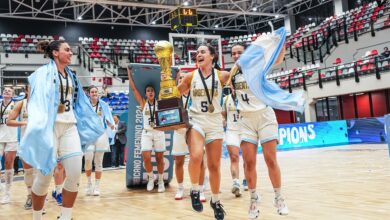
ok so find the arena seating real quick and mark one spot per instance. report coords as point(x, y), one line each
point(117, 100)
point(23, 43)
point(358, 19)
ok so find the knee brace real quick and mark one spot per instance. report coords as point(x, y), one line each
point(99, 161)
point(72, 167)
point(28, 177)
point(41, 184)
point(88, 160)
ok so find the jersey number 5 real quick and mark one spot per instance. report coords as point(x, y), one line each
point(204, 106)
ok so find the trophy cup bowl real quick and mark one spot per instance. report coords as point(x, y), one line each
point(171, 114)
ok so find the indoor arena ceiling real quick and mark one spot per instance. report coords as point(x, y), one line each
point(237, 15)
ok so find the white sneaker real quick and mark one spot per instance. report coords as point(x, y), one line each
point(179, 194)
point(202, 198)
point(254, 211)
point(236, 189)
point(96, 191)
point(1, 187)
point(89, 189)
point(6, 198)
point(161, 187)
point(150, 185)
point(281, 205)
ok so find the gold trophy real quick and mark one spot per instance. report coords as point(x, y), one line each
point(171, 114)
point(168, 89)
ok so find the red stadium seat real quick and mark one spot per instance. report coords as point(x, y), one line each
point(337, 61)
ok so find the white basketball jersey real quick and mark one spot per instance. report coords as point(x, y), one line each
point(68, 115)
point(98, 109)
point(7, 134)
point(247, 102)
point(147, 115)
point(199, 101)
point(186, 100)
point(232, 115)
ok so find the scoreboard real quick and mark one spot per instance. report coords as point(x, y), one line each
point(183, 17)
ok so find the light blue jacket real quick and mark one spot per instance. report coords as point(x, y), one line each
point(37, 144)
point(255, 68)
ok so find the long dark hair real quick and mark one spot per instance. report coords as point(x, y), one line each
point(48, 47)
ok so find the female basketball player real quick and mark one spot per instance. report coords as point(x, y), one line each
point(100, 146)
point(151, 139)
point(205, 85)
point(20, 111)
point(180, 150)
point(258, 124)
point(63, 120)
point(232, 139)
point(8, 142)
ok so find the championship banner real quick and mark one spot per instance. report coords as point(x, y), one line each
point(315, 134)
point(144, 74)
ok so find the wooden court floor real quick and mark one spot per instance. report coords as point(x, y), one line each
point(345, 182)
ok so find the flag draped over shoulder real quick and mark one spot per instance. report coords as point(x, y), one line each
point(37, 144)
point(256, 62)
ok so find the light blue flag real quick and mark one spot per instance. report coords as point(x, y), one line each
point(107, 116)
point(106, 113)
point(37, 144)
point(257, 61)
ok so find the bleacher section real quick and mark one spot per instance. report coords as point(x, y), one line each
point(118, 101)
point(20, 43)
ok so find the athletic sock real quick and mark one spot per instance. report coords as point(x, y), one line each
point(180, 185)
point(160, 177)
point(150, 175)
point(214, 198)
point(253, 193)
point(277, 192)
point(66, 213)
point(8, 180)
point(89, 180)
point(37, 215)
point(195, 187)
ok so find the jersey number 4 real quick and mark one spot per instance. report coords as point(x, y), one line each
point(245, 98)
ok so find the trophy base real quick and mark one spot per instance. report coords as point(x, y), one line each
point(171, 115)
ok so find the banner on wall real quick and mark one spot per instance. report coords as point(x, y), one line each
point(366, 130)
point(331, 133)
point(135, 172)
point(314, 134)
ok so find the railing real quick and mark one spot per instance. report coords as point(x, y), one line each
point(317, 76)
point(316, 48)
